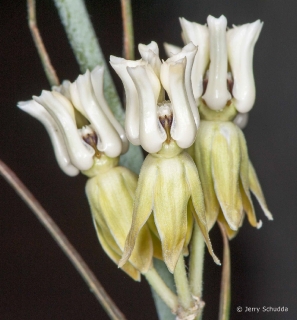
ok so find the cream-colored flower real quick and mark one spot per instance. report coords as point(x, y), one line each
point(79, 122)
point(169, 184)
point(218, 47)
point(144, 82)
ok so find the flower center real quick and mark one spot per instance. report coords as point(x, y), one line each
point(90, 137)
point(165, 117)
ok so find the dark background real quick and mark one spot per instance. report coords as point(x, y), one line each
point(36, 280)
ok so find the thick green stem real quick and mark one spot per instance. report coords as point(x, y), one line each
point(162, 290)
point(225, 296)
point(182, 285)
point(197, 262)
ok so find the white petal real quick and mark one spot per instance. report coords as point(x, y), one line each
point(241, 120)
point(151, 133)
point(109, 141)
point(39, 112)
point(132, 101)
point(183, 129)
point(97, 82)
point(150, 54)
point(199, 35)
point(189, 51)
point(75, 99)
point(217, 94)
point(171, 49)
point(64, 89)
point(241, 41)
point(81, 156)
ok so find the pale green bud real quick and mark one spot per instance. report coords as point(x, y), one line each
point(111, 193)
point(167, 181)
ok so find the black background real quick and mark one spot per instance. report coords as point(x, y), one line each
point(36, 280)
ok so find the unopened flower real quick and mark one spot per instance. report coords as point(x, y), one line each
point(169, 181)
point(79, 122)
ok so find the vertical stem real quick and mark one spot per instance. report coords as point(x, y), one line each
point(225, 296)
point(182, 285)
point(161, 289)
point(163, 311)
point(128, 29)
point(44, 57)
point(78, 262)
point(197, 262)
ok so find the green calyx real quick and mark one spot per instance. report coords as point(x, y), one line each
point(228, 113)
point(101, 165)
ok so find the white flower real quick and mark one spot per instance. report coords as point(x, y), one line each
point(236, 47)
point(79, 122)
point(144, 82)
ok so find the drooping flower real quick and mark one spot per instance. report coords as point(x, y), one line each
point(220, 151)
point(168, 179)
point(87, 138)
point(79, 122)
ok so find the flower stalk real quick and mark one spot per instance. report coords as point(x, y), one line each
point(225, 295)
point(93, 283)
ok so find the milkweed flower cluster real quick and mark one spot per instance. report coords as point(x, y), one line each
point(197, 171)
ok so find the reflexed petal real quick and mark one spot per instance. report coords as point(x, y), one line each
point(196, 203)
point(81, 154)
point(132, 102)
point(109, 141)
point(97, 83)
point(241, 41)
point(203, 146)
point(256, 189)
point(171, 49)
point(39, 112)
point(230, 233)
point(171, 194)
point(217, 94)
point(113, 255)
point(199, 35)
point(183, 129)
point(109, 194)
point(225, 163)
point(143, 205)
point(244, 182)
point(151, 134)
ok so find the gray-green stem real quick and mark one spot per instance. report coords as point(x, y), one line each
point(162, 289)
point(225, 295)
point(182, 285)
point(196, 267)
